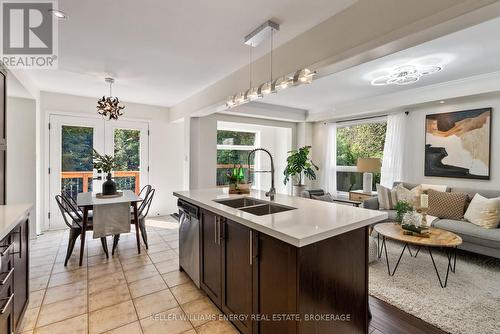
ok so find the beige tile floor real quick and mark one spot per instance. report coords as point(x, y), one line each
point(116, 295)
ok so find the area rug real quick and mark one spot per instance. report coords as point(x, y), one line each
point(469, 304)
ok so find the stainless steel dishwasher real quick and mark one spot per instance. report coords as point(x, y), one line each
point(189, 240)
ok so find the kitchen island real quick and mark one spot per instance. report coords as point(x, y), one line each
point(293, 265)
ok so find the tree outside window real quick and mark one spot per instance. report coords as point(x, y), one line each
point(365, 140)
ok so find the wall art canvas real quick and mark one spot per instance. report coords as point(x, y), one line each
point(457, 144)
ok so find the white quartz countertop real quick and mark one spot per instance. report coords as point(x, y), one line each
point(10, 216)
point(312, 221)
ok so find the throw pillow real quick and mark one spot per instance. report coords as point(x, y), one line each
point(436, 187)
point(484, 212)
point(446, 205)
point(326, 197)
point(411, 196)
point(386, 197)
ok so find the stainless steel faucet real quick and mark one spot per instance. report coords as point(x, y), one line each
point(271, 191)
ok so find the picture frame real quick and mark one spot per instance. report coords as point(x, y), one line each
point(458, 144)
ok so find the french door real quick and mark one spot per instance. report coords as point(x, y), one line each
point(72, 141)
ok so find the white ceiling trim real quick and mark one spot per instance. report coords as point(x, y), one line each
point(475, 85)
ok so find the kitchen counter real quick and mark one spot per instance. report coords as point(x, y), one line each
point(310, 222)
point(311, 260)
point(10, 216)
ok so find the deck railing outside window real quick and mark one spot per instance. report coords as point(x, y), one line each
point(76, 182)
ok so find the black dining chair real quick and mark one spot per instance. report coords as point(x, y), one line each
point(142, 212)
point(73, 219)
point(73, 205)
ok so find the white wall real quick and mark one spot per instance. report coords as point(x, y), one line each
point(415, 143)
point(319, 135)
point(21, 163)
point(166, 145)
point(203, 148)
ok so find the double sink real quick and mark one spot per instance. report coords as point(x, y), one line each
point(254, 206)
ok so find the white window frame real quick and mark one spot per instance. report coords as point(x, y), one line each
point(381, 119)
point(256, 177)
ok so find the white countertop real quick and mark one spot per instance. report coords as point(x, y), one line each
point(312, 221)
point(10, 216)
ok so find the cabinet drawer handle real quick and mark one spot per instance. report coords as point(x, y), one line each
point(6, 250)
point(215, 229)
point(6, 278)
point(218, 231)
point(7, 304)
point(251, 248)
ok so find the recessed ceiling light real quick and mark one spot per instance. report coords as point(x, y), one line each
point(59, 14)
point(441, 101)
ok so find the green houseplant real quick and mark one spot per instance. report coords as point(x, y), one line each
point(107, 164)
point(299, 166)
point(402, 207)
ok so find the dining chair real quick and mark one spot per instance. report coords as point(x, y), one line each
point(73, 219)
point(142, 213)
point(73, 205)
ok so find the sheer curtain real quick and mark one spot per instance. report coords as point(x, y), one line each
point(392, 162)
point(329, 170)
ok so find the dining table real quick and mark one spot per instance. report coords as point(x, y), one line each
point(88, 200)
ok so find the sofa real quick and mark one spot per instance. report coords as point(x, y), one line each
point(474, 238)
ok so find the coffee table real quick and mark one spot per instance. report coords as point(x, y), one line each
point(438, 239)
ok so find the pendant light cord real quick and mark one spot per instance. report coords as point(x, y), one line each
point(272, 47)
point(251, 47)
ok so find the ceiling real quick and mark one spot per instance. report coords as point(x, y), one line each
point(162, 52)
point(469, 52)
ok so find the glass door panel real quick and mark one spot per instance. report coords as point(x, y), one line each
point(72, 140)
point(76, 159)
point(128, 152)
point(128, 142)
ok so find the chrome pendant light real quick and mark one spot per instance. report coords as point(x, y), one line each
point(109, 107)
point(274, 85)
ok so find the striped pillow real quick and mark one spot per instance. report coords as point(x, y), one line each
point(386, 197)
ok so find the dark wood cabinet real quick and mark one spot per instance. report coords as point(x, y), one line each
point(3, 142)
point(276, 284)
point(211, 256)
point(14, 288)
point(6, 308)
point(21, 287)
point(274, 287)
point(237, 278)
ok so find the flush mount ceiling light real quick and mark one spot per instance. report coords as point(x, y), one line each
point(109, 107)
point(302, 76)
point(405, 75)
point(59, 14)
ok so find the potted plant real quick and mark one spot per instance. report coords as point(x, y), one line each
point(299, 166)
point(106, 163)
point(401, 208)
point(236, 179)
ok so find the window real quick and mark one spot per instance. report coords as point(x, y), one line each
point(232, 149)
point(359, 140)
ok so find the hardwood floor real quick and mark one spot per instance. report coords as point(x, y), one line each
point(388, 319)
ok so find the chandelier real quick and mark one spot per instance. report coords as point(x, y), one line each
point(109, 107)
point(405, 75)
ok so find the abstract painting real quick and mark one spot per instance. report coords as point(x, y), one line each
point(457, 144)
